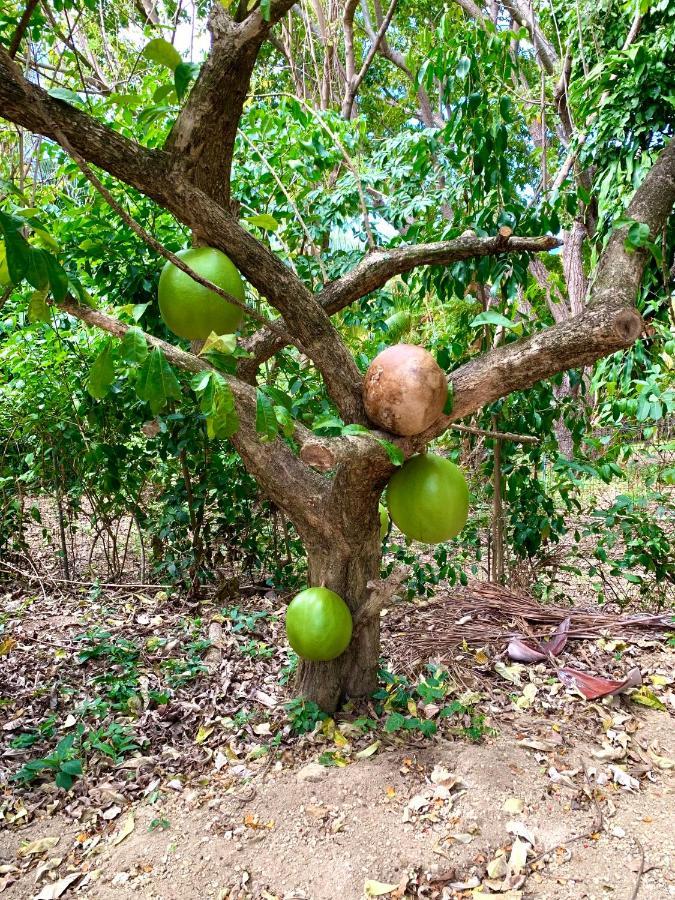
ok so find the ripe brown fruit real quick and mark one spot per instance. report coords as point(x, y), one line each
point(405, 389)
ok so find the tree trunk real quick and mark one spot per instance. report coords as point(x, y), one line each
point(346, 566)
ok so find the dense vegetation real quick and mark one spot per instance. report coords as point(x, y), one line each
point(464, 121)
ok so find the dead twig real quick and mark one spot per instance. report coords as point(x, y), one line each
point(641, 869)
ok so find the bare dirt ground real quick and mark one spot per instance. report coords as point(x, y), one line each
point(464, 778)
point(325, 833)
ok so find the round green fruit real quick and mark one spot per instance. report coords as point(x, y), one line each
point(318, 624)
point(192, 311)
point(428, 499)
point(384, 521)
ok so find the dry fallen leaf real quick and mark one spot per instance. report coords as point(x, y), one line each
point(521, 830)
point(497, 867)
point(125, 830)
point(57, 888)
point(378, 888)
point(39, 846)
point(513, 805)
point(518, 858)
point(592, 687)
point(368, 751)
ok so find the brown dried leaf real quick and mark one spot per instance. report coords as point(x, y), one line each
point(592, 687)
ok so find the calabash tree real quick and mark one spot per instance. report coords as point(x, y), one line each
point(329, 487)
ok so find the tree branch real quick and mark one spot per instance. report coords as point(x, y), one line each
point(354, 79)
point(30, 106)
point(610, 322)
point(201, 142)
point(21, 28)
point(546, 54)
point(378, 267)
point(21, 102)
point(285, 479)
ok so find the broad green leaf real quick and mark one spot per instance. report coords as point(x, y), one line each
point(157, 383)
point(102, 373)
point(5, 280)
point(38, 311)
point(182, 76)
point(218, 407)
point(285, 420)
point(264, 221)
point(36, 274)
point(17, 249)
point(162, 52)
point(281, 398)
point(199, 381)
point(57, 276)
point(463, 67)
point(134, 347)
point(45, 239)
point(265, 420)
point(61, 93)
point(356, 429)
point(220, 343)
point(265, 9)
point(64, 780)
point(492, 317)
point(394, 453)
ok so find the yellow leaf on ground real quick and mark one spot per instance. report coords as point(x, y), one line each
point(647, 698)
point(513, 805)
point(378, 888)
point(203, 732)
point(39, 846)
point(340, 740)
point(368, 751)
point(125, 830)
point(6, 646)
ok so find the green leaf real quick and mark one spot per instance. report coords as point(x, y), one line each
point(285, 420)
point(64, 780)
point(134, 347)
point(449, 400)
point(157, 383)
point(394, 453)
point(266, 9)
point(492, 317)
point(17, 249)
point(266, 423)
point(61, 93)
point(38, 311)
point(36, 274)
point(218, 407)
point(355, 429)
point(264, 221)
point(394, 722)
point(200, 381)
point(162, 52)
point(463, 67)
point(57, 277)
point(182, 76)
point(220, 343)
point(638, 236)
point(72, 767)
point(102, 373)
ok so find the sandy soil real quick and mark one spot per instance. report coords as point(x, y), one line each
point(281, 836)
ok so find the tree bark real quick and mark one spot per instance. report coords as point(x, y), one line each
point(346, 564)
